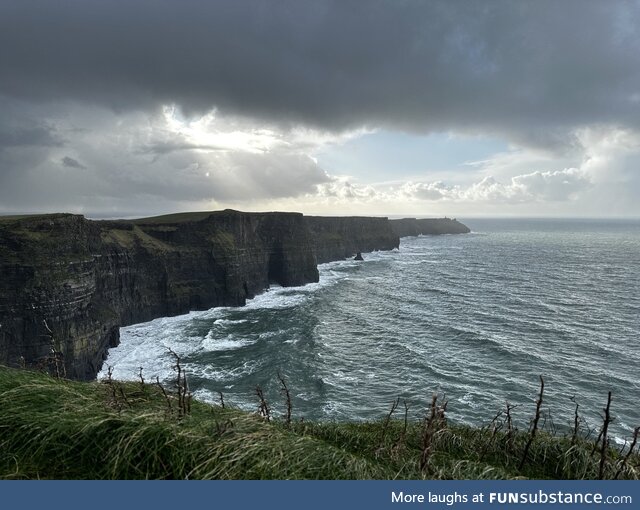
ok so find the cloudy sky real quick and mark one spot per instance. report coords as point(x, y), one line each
point(497, 108)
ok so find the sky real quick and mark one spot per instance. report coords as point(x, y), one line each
point(126, 108)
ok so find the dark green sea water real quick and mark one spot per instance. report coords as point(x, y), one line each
point(477, 317)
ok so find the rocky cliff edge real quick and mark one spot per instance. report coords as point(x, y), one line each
point(67, 284)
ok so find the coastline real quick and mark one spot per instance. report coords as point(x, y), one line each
point(70, 283)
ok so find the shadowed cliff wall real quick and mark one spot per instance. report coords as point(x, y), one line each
point(88, 278)
point(336, 238)
point(67, 284)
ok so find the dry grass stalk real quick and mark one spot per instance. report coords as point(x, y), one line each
point(182, 386)
point(605, 440)
point(576, 422)
point(636, 432)
point(552, 426)
point(112, 386)
point(285, 391)
point(124, 396)
point(440, 414)
point(56, 358)
point(495, 426)
point(166, 397)
point(428, 431)
point(387, 420)
point(534, 426)
point(400, 443)
point(403, 434)
point(385, 426)
point(510, 428)
point(263, 409)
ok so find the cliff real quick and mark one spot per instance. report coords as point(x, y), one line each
point(67, 284)
point(427, 226)
point(336, 238)
point(87, 278)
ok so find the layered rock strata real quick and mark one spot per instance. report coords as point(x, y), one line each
point(336, 238)
point(88, 278)
point(67, 284)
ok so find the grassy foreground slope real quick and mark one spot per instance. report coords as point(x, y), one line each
point(52, 428)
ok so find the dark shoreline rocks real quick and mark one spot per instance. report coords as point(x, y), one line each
point(88, 278)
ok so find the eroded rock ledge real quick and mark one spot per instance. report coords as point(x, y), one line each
point(70, 283)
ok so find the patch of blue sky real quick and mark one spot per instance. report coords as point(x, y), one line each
point(388, 155)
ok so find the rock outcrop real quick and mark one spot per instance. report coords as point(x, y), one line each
point(427, 226)
point(67, 284)
point(88, 278)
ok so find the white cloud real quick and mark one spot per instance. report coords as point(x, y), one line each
point(600, 177)
point(340, 188)
point(560, 185)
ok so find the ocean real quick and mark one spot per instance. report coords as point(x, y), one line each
point(476, 318)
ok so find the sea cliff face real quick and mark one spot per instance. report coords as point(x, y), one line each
point(336, 238)
point(427, 226)
point(67, 284)
point(88, 278)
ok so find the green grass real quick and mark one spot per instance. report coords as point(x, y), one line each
point(16, 217)
point(179, 217)
point(136, 236)
point(173, 218)
point(60, 429)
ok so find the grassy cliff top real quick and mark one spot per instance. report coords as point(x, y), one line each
point(182, 217)
point(17, 217)
point(185, 217)
point(52, 428)
point(174, 218)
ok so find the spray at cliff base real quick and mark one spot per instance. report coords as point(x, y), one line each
point(477, 317)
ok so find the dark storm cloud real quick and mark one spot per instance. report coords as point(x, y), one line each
point(24, 137)
point(72, 163)
point(161, 148)
point(533, 71)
